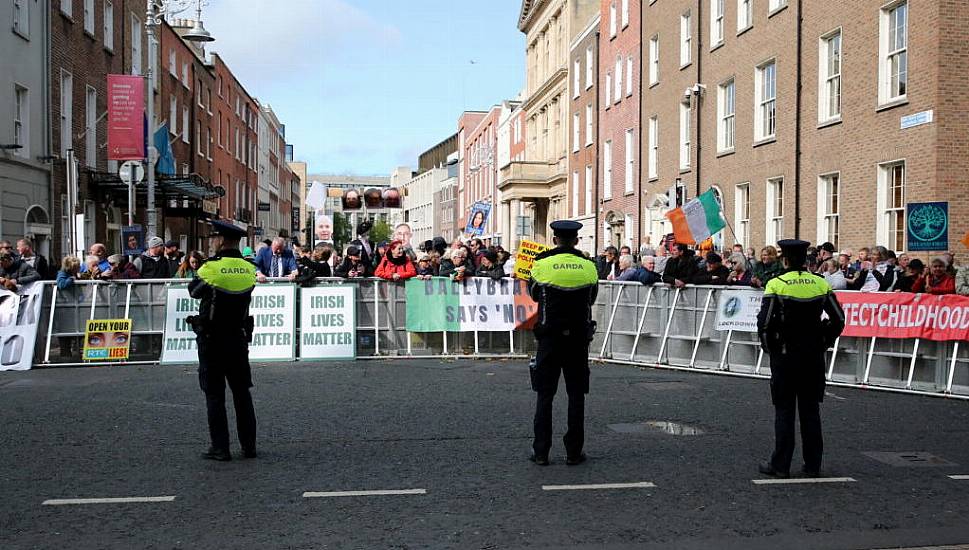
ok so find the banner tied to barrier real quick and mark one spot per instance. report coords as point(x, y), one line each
point(479, 304)
point(107, 339)
point(525, 258)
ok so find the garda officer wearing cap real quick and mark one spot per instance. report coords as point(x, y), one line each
point(223, 286)
point(564, 284)
point(793, 333)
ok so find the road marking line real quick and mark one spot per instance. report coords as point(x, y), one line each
point(801, 480)
point(636, 485)
point(324, 494)
point(960, 477)
point(121, 500)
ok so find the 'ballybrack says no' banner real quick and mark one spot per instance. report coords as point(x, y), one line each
point(904, 315)
point(476, 304)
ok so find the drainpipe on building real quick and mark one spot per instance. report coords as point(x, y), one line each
point(797, 128)
point(595, 234)
point(696, 94)
point(639, 178)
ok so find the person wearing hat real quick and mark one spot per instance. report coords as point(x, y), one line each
point(564, 284)
point(152, 264)
point(353, 265)
point(173, 256)
point(223, 286)
point(489, 266)
point(363, 242)
point(715, 272)
point(793, 333)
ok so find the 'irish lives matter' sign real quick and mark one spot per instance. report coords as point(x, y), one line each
point(273, 339)
point(477, 304)
point(327, 322)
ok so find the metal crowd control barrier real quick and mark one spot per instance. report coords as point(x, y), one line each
point(381, 323)
point(666, 327)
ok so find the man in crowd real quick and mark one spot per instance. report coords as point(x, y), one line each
point(715, 273)
point(14, 272)
point(607, 264)
point(648, 275)
point(152, 264)
point(275, 261)
point(353, 266)
point(173, 256)
point(25, 247)
point(628, 270)
point(363, 242)
point(101, 251)
point(680, 268)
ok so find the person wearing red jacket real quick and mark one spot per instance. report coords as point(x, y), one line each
point(936, 281)
point(396, 265)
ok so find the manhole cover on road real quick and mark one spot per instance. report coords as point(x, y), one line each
point(672, 428)
point(909, 459)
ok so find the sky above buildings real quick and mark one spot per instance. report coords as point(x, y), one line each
point(364, 86)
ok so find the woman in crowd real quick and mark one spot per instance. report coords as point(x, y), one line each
point(93, 271)
point(739, 274)
point(937, 281)
point(317, 261)
point(914, 270)
point(767, 268)
point(190, 265)
point(396, 265)
point(70, 268)
point(458, 267)
point(833, 275)
point(425, 269)
point(883, 270)
point(490, 267)
point(121, 269)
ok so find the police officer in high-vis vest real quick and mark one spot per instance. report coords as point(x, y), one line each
point(223, 286)
point(793, 333)
point(564, 284)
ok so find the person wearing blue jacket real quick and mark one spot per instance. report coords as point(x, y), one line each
point(276, 260)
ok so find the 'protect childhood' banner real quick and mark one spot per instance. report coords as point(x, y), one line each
point(477, 304)
point(274, 339)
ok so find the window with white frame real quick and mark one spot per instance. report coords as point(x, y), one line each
point(589, 76)
point(654, 60)
point(575, 193)
point(745, 14)
point(685, 135)
point(742, 213)
point(67, 7)
point(630, 161)
point(716, 23)
point(625, 13)
point(198, 138)
point(651, 160)
point(21, 18)
point(726, 112)
point(208, 143)
point(608, 90)
point(627, 230)
point(576, 76)
point(21, 120)
point(588, 189)
point(108, 25)
point(173, 115)
point(185, 126)
point(775, 210)
point(607, 170)
point(893, 48)
point(629, 76)
point(765, 86)
point(686, 40)
point(576, 128)
point(89, 16)
point(172, 63)
point(612, 19)
point(829, 77)
point(618, 90)
point(774, 5)
point(588, 124)
point(891, 205)
point(829, 207)
point(67, 114)
point(90, 127)
point(135, 45)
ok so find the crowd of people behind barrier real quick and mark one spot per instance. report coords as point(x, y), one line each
point(876, 269)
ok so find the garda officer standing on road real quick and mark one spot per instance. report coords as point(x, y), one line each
point(223, 327)
point(792, 331)
point(564, 284)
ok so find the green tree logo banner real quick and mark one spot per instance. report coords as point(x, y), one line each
point(927, 226)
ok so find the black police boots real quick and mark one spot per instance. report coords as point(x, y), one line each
point(222, 455)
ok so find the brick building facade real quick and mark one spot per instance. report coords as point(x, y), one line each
point(584, 132)
point(801, 121)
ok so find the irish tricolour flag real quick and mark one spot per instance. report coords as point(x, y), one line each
point(698, 219)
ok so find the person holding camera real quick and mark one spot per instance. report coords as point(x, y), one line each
point(223, 328)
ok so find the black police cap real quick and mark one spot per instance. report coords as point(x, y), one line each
point(565, 228)
point(226, 229)
point(794, 246)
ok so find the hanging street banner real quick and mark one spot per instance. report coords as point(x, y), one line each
point(126, 117)
point(273, 308)
point(737, 310)
point(927, 226)
point(525, 258)
point(476, 304)
point(905, 315)
point(107, 340)
point(328, 321)
point(19, 319)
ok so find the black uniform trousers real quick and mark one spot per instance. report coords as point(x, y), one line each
point(797, 388)
point(224, 358)
point(567, 354)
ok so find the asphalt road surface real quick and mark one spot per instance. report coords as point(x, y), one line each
point(449, 440)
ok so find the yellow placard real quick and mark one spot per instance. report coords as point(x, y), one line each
point(525, 258)
point(107, 339)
